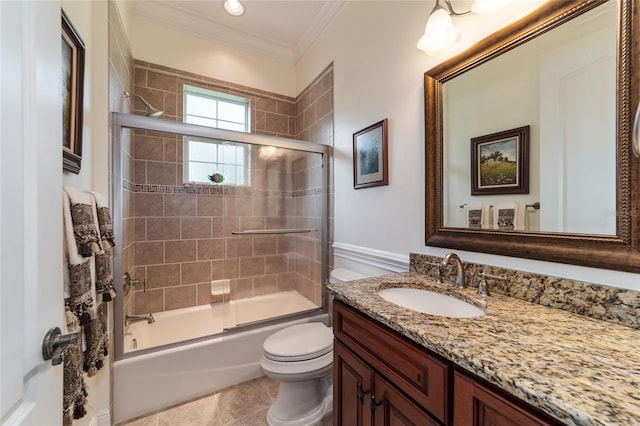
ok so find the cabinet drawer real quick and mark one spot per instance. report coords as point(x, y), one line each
point(423, 376)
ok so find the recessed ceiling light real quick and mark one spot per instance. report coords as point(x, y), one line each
point(233, 7)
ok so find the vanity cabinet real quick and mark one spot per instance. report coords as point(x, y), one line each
point(382, 378)
point(364, 397)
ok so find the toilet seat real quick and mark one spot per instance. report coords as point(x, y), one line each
point(302, 342)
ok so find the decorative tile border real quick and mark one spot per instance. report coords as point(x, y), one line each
point(616, 305)
point(215, 190)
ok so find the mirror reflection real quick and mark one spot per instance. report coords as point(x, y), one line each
point(561, 87)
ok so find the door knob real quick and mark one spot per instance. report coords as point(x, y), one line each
point(54, 343)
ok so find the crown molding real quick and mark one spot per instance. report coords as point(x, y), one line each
point(328, 12)
point(181, 19)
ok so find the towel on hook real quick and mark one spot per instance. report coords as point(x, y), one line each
point(85, 225)
point(105, 224)
point(104, 271)
point(477, 215)
point(79, 285)
point(510, 216)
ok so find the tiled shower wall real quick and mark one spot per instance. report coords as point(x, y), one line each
point(182, 235)
point(121, 79)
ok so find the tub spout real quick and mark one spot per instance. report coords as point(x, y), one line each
point(130, 319)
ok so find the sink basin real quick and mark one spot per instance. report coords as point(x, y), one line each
point(430, 302)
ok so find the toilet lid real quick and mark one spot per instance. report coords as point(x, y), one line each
point(299, 342)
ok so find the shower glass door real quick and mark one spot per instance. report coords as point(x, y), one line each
point(214, 233)
point(273, 220)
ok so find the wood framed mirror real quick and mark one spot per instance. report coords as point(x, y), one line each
point(611, 240)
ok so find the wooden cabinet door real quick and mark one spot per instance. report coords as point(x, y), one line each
point(393, 408)
point(352, 385)
point(476, 404)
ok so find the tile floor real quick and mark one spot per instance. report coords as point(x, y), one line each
point(245, 404)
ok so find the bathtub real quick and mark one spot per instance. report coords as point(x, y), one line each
point(206, 320)
point(152, 380)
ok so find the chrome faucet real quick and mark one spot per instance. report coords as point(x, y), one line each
point(460, 268)
point(130, 319)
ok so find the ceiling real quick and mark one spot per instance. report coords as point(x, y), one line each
point(282, 30)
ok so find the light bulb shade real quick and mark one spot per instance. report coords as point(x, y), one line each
point(233, 7)
point(439, 33)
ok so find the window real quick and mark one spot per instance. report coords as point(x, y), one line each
point(203, 158)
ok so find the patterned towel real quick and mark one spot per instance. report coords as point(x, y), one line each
point(105, 225)
point(88, 248)
point(75, 389)
point(80, 294)
point(85, 229)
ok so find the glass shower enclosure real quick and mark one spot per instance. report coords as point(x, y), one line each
point(218, 230)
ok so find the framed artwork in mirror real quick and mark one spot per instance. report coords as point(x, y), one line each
point(500, 163)
point(370, 151)
point(73, 53)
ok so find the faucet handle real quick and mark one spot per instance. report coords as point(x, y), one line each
point(437, 274)
point(483, 288)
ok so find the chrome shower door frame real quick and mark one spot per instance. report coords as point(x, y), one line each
point(121, 121)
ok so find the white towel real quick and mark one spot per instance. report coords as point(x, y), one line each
point(510, 216)
point(477, 216)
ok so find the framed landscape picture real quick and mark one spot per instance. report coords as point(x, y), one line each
point(500, 163)
point(370, 161)
point(72, 94)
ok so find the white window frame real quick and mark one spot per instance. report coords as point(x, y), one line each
point(216, 97)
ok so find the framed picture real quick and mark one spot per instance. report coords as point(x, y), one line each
point(370, 156)
point(500, 163)
point(72, 94)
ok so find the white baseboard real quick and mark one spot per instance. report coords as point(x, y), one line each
point(383, 260)
point(103, 418)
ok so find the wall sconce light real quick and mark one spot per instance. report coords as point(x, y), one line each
point(440, 33)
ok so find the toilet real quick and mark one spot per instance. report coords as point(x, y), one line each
point(300, 357)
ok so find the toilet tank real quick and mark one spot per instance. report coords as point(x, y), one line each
point(340, 275)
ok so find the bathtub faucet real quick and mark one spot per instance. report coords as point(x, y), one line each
point(130, 319)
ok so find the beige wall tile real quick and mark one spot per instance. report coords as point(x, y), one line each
point(265, 284)
point(148, 253)
point(196, 272)
point(195, 227)
point(242, 288)
point(209, 249)
point(210, 205)
point(250, 266)
point(147, 204)
point(180, 297)
point(139, 228)
point(179, 205)
point(161, 173)
point(180, 251)
point(167, 275)
point(162, 81)
point(163, 228)
point(149, 302)
point(148, 147)
point(265, 245)
point(276, 264)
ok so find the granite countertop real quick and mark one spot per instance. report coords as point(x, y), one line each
point(578, 370)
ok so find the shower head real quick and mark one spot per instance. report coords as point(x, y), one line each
point(149, 110)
